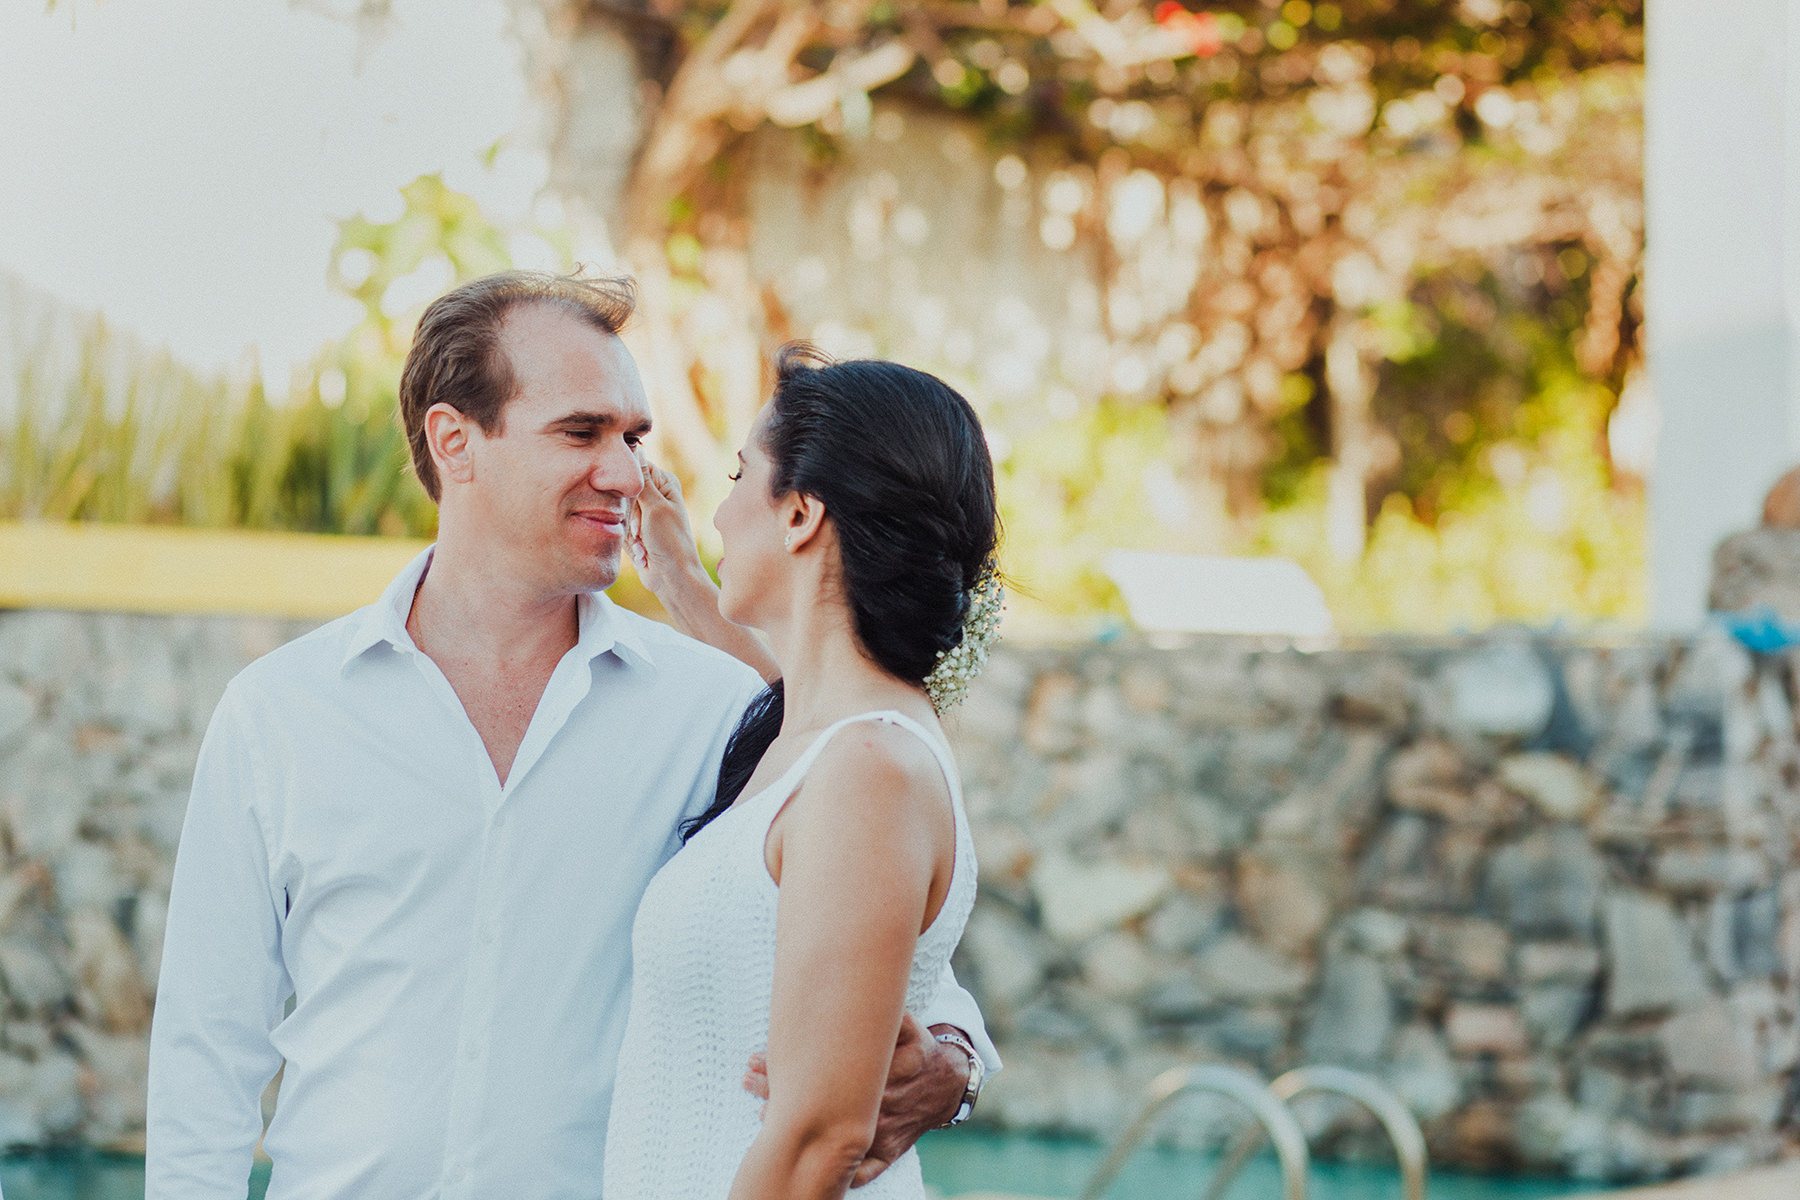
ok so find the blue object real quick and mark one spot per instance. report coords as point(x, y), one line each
point(1761, 629)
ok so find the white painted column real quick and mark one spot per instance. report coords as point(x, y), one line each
point(1722, 187)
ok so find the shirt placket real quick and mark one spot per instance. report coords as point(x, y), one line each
point(481, 996)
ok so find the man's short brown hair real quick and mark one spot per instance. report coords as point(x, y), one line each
point(456, 357)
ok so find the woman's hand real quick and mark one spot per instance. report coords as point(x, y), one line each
point(662, 540)
point(661, 544)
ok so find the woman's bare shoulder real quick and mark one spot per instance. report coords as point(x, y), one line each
point(880, 766)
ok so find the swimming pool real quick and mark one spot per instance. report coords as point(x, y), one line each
point(955, 1164)
point(966, 1162)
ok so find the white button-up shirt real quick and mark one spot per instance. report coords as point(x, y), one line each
point(457, 953)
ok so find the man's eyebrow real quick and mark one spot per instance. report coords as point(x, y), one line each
point(598, 420)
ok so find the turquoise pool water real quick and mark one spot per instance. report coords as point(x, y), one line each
point(966, 1162)
point(955, 1164)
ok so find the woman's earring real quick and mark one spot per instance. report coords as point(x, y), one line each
point(787, 542)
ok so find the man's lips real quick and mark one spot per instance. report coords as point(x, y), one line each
point(613, 522)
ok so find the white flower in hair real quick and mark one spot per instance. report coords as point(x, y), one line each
point(948, 683)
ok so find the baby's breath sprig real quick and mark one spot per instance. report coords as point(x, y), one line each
point(948, 683)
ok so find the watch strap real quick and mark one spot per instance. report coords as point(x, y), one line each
point(972, 1092)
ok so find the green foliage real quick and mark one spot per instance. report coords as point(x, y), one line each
point(1073, 489)
point(105, 431)
point(1530, 526)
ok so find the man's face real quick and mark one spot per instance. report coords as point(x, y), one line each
point(553, 484)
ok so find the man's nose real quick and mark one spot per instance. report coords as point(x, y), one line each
point(619, 469)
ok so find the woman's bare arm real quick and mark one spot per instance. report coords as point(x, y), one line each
point(663, 551)
point(857, 853)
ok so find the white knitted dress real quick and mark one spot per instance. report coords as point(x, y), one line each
point(703, 967)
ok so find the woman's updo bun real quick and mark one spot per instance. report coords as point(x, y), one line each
point(899, 460)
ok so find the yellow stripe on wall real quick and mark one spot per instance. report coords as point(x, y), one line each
point(163, 569)
point(166, 569)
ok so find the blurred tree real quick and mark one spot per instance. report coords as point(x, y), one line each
point(1321, 175)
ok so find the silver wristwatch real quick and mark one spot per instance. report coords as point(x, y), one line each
point(972, 1092)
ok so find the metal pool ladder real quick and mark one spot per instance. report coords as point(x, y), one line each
point(1269, 1104)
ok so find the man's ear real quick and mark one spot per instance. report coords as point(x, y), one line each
point(448, 434)
point(803, 515)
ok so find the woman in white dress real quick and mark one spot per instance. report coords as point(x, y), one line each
point(820, 896)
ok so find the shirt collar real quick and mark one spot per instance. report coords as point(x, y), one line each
point(598, 626)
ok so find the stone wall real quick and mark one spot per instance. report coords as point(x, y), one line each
point(1547, 889)
point(100, 720)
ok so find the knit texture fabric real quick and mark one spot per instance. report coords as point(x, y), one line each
point(703, 968)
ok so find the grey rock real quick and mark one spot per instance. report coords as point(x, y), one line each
point(1703, 1110)
point(1555, 1012)
point(114, 1067)
point(1353, 1014)
point(88, 877)
point(1283, 897)
point(1499, 689)
point(1080, 899)
point(1236, 968)
point(40, 1099)
point(42, 793)
point(1759, 568)
point(1000, 948)
point(1702, 870)
point(1474, 948)
point(1707, 1046)
point(1563, 790)
point(1714, 667)
point(1185, 922)
point(1568, 961)
point(1376, 931)
point(1547, 883)
point(1254, 1032)
point(1289, 683)
point(33, 978)
point(1650, 957)
point(1755, 932)
point(1379, 694)
point(1485, 1029)
point(1090, 795)
point(1602, 1089)
point(17, 711)
point(1052, 723)
point(1117, 965)
point(112, 992)
point(1429, 776)
point(1421, 1070)
point(1145, 688)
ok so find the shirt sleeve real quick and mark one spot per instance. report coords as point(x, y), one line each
point(222, 985)
point(954, 1006)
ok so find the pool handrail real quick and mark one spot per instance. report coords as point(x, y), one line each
point(1396, 1120)
point(1271, 1114)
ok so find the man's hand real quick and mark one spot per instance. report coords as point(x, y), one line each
point(924, 1090)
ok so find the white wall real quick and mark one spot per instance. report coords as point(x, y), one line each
point(1722, 185)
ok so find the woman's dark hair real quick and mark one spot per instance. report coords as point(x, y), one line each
point(899, 461)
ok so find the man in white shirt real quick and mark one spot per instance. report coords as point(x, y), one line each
point(418, 835)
